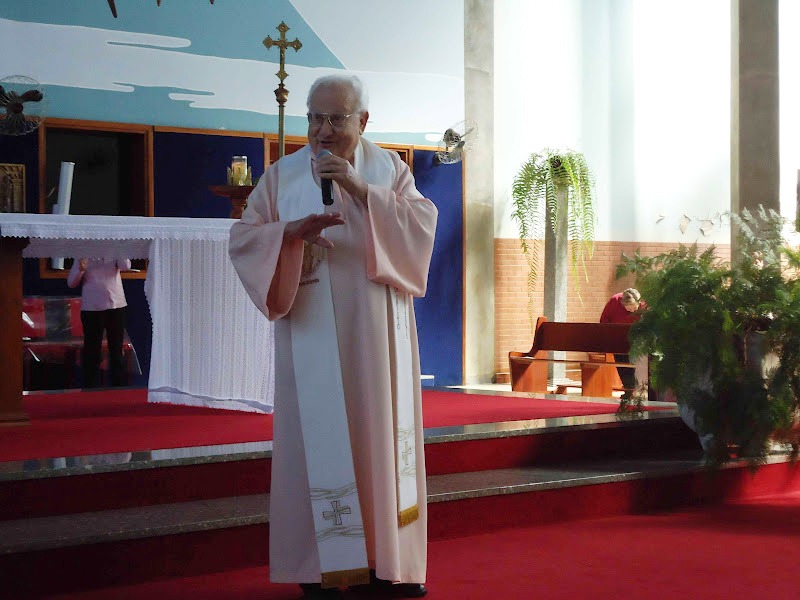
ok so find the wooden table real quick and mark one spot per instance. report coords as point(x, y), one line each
point(237, 194)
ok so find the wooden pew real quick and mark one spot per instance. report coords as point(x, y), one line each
point(598, 370)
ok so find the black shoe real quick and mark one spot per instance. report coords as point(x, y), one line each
point(387, 589)
point(411, 590)
point(315, 591)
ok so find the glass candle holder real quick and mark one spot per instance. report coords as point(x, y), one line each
point(239, 170)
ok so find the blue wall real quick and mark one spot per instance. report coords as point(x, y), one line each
point(439, 317)
point(185, 164)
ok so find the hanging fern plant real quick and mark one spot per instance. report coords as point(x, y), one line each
point(535, 199)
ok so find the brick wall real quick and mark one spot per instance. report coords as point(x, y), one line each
point(512, 322)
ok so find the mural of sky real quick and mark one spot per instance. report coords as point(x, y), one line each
point(188, 63)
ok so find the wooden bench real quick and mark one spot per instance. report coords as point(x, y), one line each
point(600, 342)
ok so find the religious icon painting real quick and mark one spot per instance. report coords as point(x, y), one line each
point(12, 188)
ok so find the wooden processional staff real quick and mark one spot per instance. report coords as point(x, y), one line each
point(282, 94)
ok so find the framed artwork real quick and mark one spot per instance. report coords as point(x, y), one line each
point(12, 188)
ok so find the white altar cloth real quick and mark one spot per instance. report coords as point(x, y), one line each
point(211, 346)
point(98, 236)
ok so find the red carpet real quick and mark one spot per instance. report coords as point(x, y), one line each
point(441, 409)
point(731, 552)
point(78, 423)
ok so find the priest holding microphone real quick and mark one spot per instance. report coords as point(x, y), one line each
point(335, 243)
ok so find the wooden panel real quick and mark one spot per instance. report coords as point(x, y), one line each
point(131, 178)
point(11, 408)
point(405, 151)
point(293, 143)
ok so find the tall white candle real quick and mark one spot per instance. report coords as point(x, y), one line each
point(64, 196)
point(64, 188)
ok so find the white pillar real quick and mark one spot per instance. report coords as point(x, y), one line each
point(479, 193)
point(755, 151)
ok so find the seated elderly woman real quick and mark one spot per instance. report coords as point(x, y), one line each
point(624, 307)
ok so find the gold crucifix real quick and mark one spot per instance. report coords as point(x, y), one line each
point(282, 94)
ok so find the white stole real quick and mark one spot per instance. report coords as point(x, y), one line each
point(334, 497)
point(403, 404)
point(374, 165)
point(331, 478)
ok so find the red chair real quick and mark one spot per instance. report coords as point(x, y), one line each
point(52, 342)
point(33, 321)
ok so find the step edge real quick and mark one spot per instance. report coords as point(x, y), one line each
point(134, 534)
point(683, 466)
point(530, 427)
point(558, 484)
point(140, 460)
point(140, 465)
point(261, 516)
point(104, 526)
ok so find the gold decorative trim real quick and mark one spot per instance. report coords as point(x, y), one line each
point(408, 516)
point(312, 259)
point(334, 579)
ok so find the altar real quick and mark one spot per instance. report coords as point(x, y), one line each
point(211, 346)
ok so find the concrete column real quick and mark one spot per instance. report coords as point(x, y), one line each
point(755, 152)
point(479, 193)
point(556, 259)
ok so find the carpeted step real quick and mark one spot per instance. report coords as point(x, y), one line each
point(204, 536)
point(93, 483)
point(125, 480)
point(705, 552)
point(554, 441)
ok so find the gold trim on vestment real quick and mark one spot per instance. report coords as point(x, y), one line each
point(312, 258)
point(334, 579)
point(408, 516)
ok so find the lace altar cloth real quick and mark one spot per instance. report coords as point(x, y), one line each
point(99, 236)
point(211, 346)
point(226, 357)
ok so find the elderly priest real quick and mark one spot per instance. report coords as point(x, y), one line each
point(348, 476)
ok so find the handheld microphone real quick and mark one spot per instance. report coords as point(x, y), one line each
point(326, 184)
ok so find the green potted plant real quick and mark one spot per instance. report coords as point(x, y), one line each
point(554, 190)
point(723, 336)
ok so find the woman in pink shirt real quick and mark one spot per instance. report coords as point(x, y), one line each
point(102, 309)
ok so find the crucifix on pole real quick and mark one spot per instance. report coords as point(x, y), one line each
point(281, 93)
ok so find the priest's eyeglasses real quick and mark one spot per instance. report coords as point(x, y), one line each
point(336, 121)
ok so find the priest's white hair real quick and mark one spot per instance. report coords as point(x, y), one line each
point(362, 97)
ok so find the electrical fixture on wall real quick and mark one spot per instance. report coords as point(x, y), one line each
point(455, 142)
point(24, 105)
point(113, 6)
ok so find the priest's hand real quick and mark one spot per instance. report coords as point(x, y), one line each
point(342, 172)
point(310, 228)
